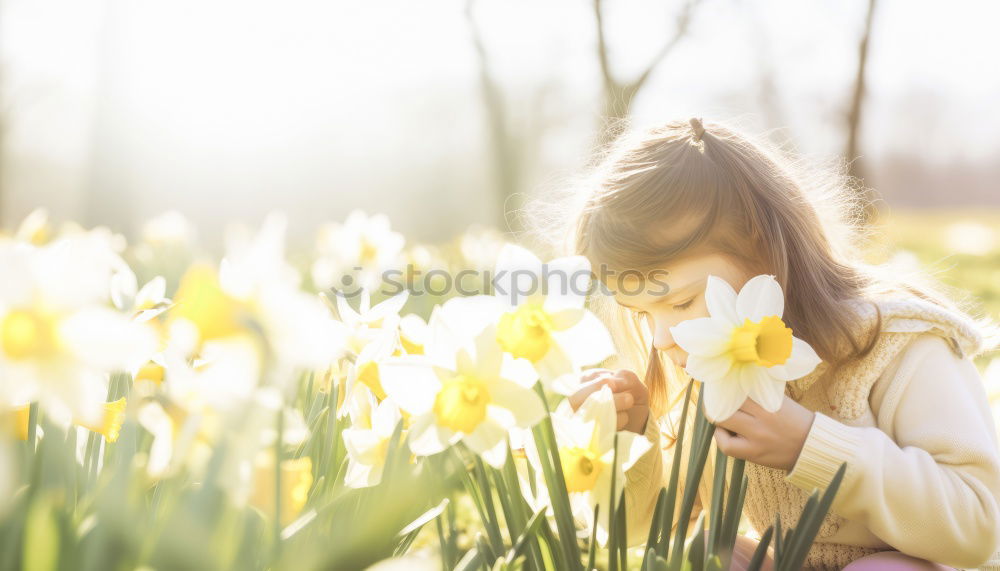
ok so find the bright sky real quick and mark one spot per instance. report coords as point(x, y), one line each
point(225, 101)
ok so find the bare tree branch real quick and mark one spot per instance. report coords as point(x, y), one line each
point(854, 114)
point(618, 95)
point(505, 161)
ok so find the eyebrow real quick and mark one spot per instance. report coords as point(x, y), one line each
point(687, 288)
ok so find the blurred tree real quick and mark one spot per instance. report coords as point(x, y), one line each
point(619, 94)
point(856, 109)
point(506, 161)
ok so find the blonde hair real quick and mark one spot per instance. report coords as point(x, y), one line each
point(722, 192)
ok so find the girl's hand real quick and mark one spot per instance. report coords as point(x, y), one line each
point(631, 396)
point(771, 439)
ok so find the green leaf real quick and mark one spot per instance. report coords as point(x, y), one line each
point(41, 537)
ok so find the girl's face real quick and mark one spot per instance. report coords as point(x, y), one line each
point(676, 293)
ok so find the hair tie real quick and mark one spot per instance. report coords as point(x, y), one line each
point(698, 128)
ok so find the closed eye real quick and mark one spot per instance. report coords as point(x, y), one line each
point(685, 305)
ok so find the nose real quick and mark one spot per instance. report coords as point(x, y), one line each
point(662, 339)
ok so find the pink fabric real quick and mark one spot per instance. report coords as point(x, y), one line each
point(884, 561)
point(894, 561)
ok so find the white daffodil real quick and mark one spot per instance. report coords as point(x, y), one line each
point(367, 366)
point(413, 334)
point(367, 440)
point(543, 318)
point(743, 349)
point(256, 292)
point(142, 304)
point(362, 242)
point(586, 441)
point(363, 325)
point(458, 391)
point(58, 337)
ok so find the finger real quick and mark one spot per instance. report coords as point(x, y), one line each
point(740, 423)
point(750, 407)
point(593, 374)
point(732, 445)
point(624, 401)
point(626, 379)
point(622, 420)
point(576, 399)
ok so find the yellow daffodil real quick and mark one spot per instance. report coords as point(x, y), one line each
point(367, 440)
point(462, 391)
point(296, 481)
point(586, 442)
point(363, 325)
point(110, 423)
point(256, 293)
point(58, 338)
point(20, 416)
point(743, 349)
point(367, 366)
point(413, 334)
point(35, 228)
point(362, 241)
point(543, 318)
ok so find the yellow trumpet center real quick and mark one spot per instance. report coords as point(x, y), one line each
point(526, 332)
point(28, 334)
point(201, 299)
point(151, 372)
point(110, 423)
point(368, 375)
point(581, 467)
point(767, 342)
point(367, 251)
point(461, 403)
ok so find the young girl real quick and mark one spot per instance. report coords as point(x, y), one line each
point(896, 397)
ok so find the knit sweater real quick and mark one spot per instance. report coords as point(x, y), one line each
point(911, 420)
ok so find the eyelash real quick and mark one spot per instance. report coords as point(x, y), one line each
point(685, 305)
point(678, 307)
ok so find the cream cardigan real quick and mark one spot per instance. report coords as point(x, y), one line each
point(913, 423)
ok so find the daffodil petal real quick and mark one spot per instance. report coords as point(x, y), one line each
point(600, 409)
point(411, 382)
point(519, 371)
point(568, 279)
point(489, 440)
point(391, 306)
point(759, 298)
point(346, 312)
point(444, 342)
point(522, 402)
point(764, 389)
point(385, 418)
point(427, 437)
point(566, 317)
point(363, 445)
point(467, 316)
point(708, 369)
point(554, 364)
point(800, 363)
point(635, 447)
point(518, 275)
point(702, 336)
point(722, 399)
point(489, 355)
point(720, 298)
point(586, 343)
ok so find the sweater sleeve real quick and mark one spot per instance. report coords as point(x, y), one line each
point(933, 491)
